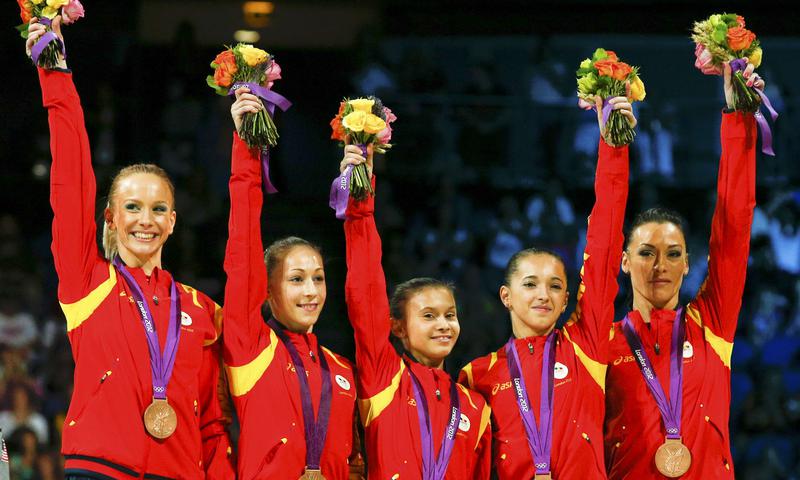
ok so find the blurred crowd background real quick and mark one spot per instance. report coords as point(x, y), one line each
point(492, 155)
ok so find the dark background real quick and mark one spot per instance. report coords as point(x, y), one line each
point(491, 155)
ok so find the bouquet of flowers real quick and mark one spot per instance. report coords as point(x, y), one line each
point(247, 66)
point(45, 52)
point(604, 75)
point(720, 39)
point(363, 121)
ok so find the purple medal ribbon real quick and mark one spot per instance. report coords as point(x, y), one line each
point(315, 430)
point(160, 364)
point(435, 469)
point(45, 40)
point(670, 410)
point(739, 65)
point(540, 438)
point(270, 100)
point(340, 188)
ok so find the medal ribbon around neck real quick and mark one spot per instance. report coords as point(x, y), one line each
point(160, 364)
point(670, 410)
point(540, 437)
point(315, 430)
point(435, 469)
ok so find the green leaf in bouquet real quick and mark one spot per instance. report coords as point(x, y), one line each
point(23, 30)
point(599, 54)
point(219, 90)
point(720, 34)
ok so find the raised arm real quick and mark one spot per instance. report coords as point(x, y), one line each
point(246, 287)
point(72, 182)
point(378, 364)
point(589, 325)
point(720, 297)
point(729, 247)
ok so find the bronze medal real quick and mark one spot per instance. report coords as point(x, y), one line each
point(160, 419)
point(542, 476)
point(673, 459)
point(312, 474)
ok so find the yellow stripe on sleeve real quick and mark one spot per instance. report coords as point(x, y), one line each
point(486, 415)
point(468, 394)
point(243, 378)
point(468, 372)
point(722, 347)
point(336, 359)
point(77, 312)
point(492, 360)
point(373, 406)
point(596, 369)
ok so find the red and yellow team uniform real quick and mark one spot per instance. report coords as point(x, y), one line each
point(386, 397)
point(104, 434)
point(634, 429)
point(581, 350)
point(261, 373)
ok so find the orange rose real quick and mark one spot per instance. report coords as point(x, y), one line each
point(740, 38)
point(740, 20)
point(223, 75)
point(337, 130)
point(621, 71)
point(24, 10)
point(611, 56)
point(605, 67)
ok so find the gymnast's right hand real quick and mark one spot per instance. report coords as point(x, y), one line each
point(353, 156)
point(245, 102)
point(35, 32)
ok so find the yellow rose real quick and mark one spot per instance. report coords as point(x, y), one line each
point(55, 4)
point(49, 12)
point(755, 57)
point(637, 90)
point(374, 124)
point(355, 121)
point(586, 63)
point(36, 2)
point(252, 55)
point(362, 104)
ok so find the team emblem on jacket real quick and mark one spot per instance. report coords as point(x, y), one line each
point(186, 320)
point(688, 350)
point(464, 424)
point(343, 382)
point(560, 371)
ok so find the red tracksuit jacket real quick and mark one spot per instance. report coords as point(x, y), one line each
point(261, 373)
point(582, 346)
point(386, 397)
point(104, 432)
point(634, 429)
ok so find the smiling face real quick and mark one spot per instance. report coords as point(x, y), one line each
point(657, 261)
point(141, 216)
point(430, 327)
point(297, 289)
point(536, 294)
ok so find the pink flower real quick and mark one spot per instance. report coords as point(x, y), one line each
point(584, 104)
point(72, 11)
point(273, 73)
point(385, 135)
point(704, 61)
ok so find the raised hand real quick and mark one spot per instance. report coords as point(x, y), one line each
point(245, 102)
point(353, 156)
point(35, 32)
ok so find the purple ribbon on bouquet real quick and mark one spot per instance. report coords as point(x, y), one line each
point(340, 188)
point(670, 409)
point(46, 40)
point(606, 109)
point(540, 438)
point(161, 364)
point(739, 65)
point(270, 100)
